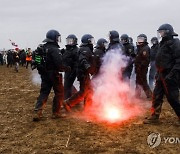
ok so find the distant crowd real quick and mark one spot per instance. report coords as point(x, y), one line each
point(16, 56)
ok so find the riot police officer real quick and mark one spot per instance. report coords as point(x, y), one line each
point(85, 68)
point(153, 53)
point(99, 52)
point(130, 54)
point(70, 58)
point(168, 73)
point(141, 66)
point(51, 76)
point(115, 43)
point(115, 46)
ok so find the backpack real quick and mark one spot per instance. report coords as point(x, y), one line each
point(39, 59)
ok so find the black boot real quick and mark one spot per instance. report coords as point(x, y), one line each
point(38, 116)
point(154, 119)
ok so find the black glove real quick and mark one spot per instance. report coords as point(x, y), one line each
point(88, 69)
point(63, 51)
point(87, 66)
point(33, 65)
point(67, 69)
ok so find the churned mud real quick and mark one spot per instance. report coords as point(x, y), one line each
point(19, 134)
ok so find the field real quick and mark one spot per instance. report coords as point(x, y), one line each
point(19, 134)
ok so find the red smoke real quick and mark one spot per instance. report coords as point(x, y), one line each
point(113, 99)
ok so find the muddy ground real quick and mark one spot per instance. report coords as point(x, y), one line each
point(18, 134)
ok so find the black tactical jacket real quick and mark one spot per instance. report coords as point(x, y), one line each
point(53, 57)
point(86, 61)
point(153, 52)
point(168, 56)
point(143, 56)
point(98, 53)
point(70, 57)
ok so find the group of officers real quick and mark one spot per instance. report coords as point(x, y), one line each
point(84, 63)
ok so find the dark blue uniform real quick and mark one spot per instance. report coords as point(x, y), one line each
point(98, 53)
point(70, 58)
point(168, 75)
point(141, 69)
point(130, 54)
point(51, 78)
point(84, 69)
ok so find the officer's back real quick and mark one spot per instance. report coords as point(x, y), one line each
point(115, 43)
point(70, 54)
point(168, 51)
point(50, 76)
point(54, 56)
point(86, 58)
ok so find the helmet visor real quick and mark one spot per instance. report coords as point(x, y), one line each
point(106, 45)
point(163, 33)
point(59, 39)
point(154, 42)
point(91, 41)
point(140, 39)
point(69, 41)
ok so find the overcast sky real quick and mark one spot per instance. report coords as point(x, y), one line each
point(26, 21)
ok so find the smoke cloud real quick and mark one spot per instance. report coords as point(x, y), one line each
point(113, 99)
point(35, 77)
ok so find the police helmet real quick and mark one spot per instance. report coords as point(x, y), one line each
point(154, 40)
point(166, 30)
point(87, 39)
point(114, 36)
point(53, 36)
point(124, 38)
point(102, 43)
point(142, 38)
point(71, 40)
